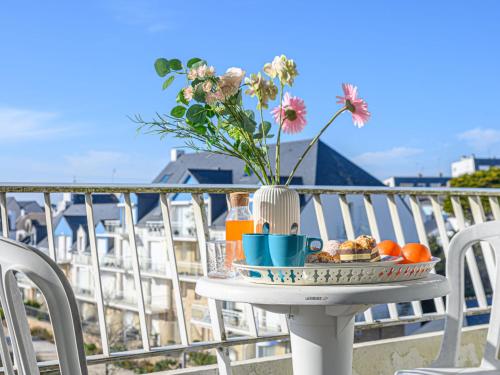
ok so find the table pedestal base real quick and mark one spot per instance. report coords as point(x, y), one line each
point(321, 338)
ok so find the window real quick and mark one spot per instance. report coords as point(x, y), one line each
point(164, 179)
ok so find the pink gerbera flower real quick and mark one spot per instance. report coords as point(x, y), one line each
point(357, 106)
point(292, 114)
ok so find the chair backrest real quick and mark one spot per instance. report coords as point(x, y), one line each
point(63, 311)
point(455, 271)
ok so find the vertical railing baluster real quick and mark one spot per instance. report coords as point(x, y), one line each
point(169, 243)
point(400, 238)
point(422, 237)
point(375, 233)
point(96, 272)
point(477, 283)
point(372, 218)
point(351, 235)
point(320, 217)
point(6, 359)
point(137, 272)
point(4, 214)
point(479, 217)
point(50, 229)
point(346, 217)
point(438, 217)
point(249, 309)
point(215, 307)
point(495, 207)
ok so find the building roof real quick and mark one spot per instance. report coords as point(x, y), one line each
point(37, 218)
point(322, 166)
point(104, 211)
point(27, 206)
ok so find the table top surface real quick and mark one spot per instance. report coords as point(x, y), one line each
point(239, 290)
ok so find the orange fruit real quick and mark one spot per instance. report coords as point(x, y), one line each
point(416, 253)
point(389, 247)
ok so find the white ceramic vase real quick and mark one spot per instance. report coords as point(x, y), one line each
point(277, 205)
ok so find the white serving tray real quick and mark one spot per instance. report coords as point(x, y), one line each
point(354, 273)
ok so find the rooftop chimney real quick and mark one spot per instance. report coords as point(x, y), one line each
point(175, 153)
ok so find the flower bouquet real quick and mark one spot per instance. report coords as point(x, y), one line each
point(211, 114)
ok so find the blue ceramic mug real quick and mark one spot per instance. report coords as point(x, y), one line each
point(256, 249)
point(309, 248)
point(291, 250)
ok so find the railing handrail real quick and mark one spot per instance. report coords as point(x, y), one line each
point(15, 187)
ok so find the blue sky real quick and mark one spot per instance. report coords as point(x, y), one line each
point(71, 73)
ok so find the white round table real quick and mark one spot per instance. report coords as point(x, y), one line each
point(321, 318)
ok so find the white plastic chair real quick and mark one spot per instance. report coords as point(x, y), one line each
point(447, 361)
point(61, 303)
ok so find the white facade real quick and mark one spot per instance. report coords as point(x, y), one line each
point(471, 164)
point(465, 165)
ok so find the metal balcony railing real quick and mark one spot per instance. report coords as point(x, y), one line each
point(411, 198)
point(148, 265)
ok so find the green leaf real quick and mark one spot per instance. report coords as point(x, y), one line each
point(178, 111)
point(180, 98)
point(192, 61)
point(250, 113)
point(200, 129)
point(175, 64)
point(266, 125)
point(210, 111)
point(196, 114)
point(168, 82)
point(199, 63)
point(247, 170)
point(196, 81)
point(249, 124)
point(198, 94)
point(162, 67)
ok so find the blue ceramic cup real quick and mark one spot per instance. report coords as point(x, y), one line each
point(309, 248)
point(291, 250)
point(256, 249)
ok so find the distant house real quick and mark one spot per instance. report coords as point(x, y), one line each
point(471, 164)
point(17, 208)
point(417, 181)
point(70, 225)
point(31, 228)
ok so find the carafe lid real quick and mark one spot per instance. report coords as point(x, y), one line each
point(239, 199)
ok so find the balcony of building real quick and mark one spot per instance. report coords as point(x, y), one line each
point(388, 337)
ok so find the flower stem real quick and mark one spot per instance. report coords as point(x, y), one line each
point(313, 142)
point(264, 136)
point(278, 142)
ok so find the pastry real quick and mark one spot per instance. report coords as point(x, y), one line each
point(375, 255)
point(323, 257)
point(351, 251)
point(331, 247)
point(366, 242)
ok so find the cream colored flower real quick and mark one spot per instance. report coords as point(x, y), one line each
point(264, 90)
point(188, 93)
point(192, 74)
point(207, 86)
point(283, 68)
point(205, 71)
point(201, 72)
point(230, 82)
